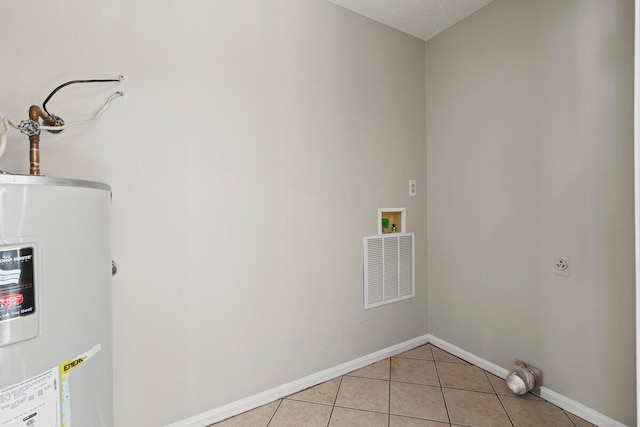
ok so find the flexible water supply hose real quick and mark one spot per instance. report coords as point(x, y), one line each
point(3, 135)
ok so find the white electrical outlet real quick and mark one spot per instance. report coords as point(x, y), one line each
point(412, 187)
point(561, 265)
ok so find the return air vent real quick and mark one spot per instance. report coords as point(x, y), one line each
point(389, 269)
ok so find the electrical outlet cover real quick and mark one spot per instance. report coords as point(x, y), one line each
point(561, 265)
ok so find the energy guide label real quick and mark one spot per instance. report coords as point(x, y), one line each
point(17, 288)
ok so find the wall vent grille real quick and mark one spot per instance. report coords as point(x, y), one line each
point(389, 269)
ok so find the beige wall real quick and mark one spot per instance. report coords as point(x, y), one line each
point(256, 143)
point(530, 153)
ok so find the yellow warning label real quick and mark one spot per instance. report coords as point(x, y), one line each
point(71, 364)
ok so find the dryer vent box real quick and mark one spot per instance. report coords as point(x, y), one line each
point(392, 220)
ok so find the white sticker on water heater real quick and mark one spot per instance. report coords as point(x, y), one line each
point(32, 403)
point(65, 386)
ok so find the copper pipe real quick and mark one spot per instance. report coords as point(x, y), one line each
point(35, 114)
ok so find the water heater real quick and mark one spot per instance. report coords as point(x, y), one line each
point(55, 303)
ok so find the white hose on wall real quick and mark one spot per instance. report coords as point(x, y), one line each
point(3, 135)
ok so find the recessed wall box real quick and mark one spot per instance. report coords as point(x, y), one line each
point(392, 220)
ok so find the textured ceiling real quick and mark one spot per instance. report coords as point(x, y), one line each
point(420, 18)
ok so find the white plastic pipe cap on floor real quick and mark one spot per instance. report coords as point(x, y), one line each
point(522, 378)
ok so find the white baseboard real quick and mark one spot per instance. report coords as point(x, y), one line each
point(551, 396)
point(469, 357)
point(223, 412)
point(578, 409)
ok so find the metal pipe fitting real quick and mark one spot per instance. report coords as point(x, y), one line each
point(35, 114)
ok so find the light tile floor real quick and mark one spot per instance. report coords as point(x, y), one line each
point(423, 387)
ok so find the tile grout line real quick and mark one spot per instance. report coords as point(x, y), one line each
point(335, 399)
point(389, 408)
point(274, 412)
point(565, 412)
point(447, 387)
point(498, 397)
point(446, 408)
point(461, 361)
point(455, 363)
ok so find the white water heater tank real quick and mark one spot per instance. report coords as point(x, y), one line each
point(55, 303)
